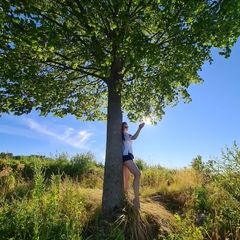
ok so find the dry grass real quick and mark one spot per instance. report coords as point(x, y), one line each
point(159, 202)
point(170, 203)
point(185, 179)
point(175, 192)
point(156, 212)
point(92, 198)
point(154, 221)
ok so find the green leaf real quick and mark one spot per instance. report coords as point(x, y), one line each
point(72, 52)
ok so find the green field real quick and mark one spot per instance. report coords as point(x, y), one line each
point(60, 198)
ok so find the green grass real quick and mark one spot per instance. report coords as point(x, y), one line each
point(53, 199)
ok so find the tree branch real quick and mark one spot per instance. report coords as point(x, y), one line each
point(65, 67)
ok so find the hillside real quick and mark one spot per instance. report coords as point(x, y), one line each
point(60, 198)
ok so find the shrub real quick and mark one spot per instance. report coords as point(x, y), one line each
point(226, 172)
point(219, 196)
point(50, 212)
point(197, 164)
point(82, 163)
point(141, 164)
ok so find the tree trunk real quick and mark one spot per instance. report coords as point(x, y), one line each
point(113, 192)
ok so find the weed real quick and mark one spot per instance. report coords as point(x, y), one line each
point(60, 198)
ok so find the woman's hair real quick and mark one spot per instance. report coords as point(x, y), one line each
point(123, 123)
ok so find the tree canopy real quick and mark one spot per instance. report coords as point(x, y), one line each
point(56, 55)
point(94, 58)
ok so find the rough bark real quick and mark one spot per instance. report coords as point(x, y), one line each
point(113, 192)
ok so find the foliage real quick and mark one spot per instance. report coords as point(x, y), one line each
point(87, 58)
point(225, 172)
point(218, 197)
point(186, 229)
point(53, 212)
point(99, 229)
point(59, 207)
point(84, 163)
point(127, 224)
point(68, 51)
point(74, 167)
point(197, 164)
point(202, 200)
point(224, 221)
point(141, 164)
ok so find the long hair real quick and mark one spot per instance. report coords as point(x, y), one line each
point(123, 123)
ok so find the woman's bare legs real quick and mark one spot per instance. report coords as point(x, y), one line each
point(126, 177)
point(132, 167)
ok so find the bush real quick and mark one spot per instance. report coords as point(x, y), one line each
point(141, 164)
point(55, 211)
point(226, 173)
point(73, 167)
point(82, 163)
point(219, 196)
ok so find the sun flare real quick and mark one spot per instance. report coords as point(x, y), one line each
point(147, 120)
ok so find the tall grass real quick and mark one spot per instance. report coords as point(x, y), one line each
point(61, 199)
point(52, 211)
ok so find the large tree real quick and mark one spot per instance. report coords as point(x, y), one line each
point(95, 59)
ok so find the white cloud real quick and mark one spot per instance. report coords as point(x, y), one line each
point(61, 133)
point(48, 130)
point(76, 139)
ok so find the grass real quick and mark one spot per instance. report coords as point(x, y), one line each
point(56, 205)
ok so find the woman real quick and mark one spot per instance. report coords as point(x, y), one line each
point(128, 164)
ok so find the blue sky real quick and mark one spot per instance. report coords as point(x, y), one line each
point(203, 127)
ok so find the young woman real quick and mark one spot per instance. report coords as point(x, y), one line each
point(128, 164)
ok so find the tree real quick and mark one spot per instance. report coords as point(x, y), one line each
point(94, 59)
point(197, 164)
